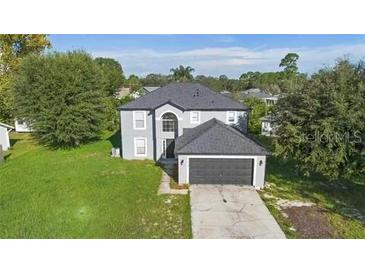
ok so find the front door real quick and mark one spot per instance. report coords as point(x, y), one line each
point(170, 147)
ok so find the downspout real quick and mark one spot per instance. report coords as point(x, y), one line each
point(154, 134)
point(120, 130)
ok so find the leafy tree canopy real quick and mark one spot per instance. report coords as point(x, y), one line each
point(258, 110)
point(14, 47)
point(156, 80)
point(62, 96)
point(321, 122)
point(134, 82)
point(112, 72)
point(289, 62)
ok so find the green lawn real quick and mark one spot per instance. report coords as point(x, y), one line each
point(343, 201)
point(84, 193)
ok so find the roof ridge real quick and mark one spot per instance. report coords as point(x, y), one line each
point(237, 132)
point(153, 91)
point(182, 94)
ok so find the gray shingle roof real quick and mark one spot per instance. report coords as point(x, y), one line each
point(150, 89)
point(189, 96)
point(215, 137)
point(255, 92)
point(268, 118)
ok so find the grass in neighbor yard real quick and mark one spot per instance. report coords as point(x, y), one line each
point(85, 193)
point(339, 206)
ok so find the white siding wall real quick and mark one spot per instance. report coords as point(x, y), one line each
point(22, 127)
point(128, 134)
point(4, 138)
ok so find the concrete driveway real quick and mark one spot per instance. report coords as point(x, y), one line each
point(230, 212)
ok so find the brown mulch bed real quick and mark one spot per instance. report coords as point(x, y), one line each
point(310, 222)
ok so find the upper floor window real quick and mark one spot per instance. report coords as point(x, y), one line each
point(139, 119)
point(195, 117)
point(231, 117)
point(169, 122)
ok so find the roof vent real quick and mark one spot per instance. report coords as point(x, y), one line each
point(196, 93)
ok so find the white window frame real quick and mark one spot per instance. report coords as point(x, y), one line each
point(134, 120)
point(234, 115)
point(191, 117)
point(135, 146)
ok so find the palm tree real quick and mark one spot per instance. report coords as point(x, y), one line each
point(182, 74)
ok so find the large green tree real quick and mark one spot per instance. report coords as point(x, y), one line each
point(156, 80)
point(210, 81)
point(289, 62)
point(134, 82)
point(112, 81)
point(62, 96)
point(112, 73)
point(321, 122)
point(14, 47)
point(182, 74)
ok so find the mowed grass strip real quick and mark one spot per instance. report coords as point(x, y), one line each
point(84, 193)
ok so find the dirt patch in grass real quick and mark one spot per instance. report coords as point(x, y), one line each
point(310, 222)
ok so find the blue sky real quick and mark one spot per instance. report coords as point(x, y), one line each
point(214, 54)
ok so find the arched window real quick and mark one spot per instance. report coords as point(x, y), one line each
point(169, 122)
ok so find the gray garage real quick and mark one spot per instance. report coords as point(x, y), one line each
point(216, 153)
point(221, 171)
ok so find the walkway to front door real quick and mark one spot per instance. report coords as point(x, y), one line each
point(230, 211)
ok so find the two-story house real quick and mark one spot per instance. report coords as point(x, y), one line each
point(202, 129)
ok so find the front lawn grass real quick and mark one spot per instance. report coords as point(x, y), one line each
point(343, 200)
point(85, 193)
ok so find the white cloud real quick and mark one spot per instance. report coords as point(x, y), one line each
point(231, 61)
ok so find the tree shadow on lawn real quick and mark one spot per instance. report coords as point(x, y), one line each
point(13, 141)
point(337, 196)
point(115, 139)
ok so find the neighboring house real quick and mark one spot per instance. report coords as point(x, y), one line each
point(4, 136)
point(202, 129)
point(227, 93)
point(267, 126)
point(143, 91)
point(122, 92)
point(266, 97)
point(22, 126)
